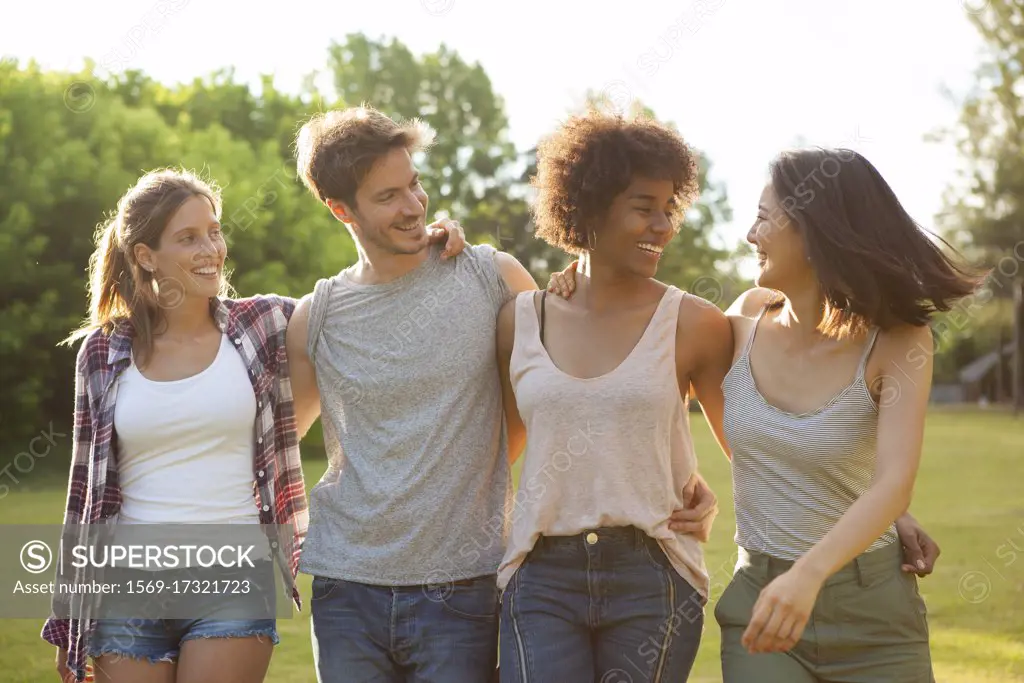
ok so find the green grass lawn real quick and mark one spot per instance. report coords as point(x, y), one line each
point(969, 496)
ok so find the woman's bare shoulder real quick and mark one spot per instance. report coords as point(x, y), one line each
point(750, 303)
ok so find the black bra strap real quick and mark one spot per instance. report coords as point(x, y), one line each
point(543, 296)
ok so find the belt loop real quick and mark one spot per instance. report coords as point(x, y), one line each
point(858, 562)
point(639, 538)
point(748, 562)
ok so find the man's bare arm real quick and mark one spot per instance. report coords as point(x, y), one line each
point(516, 276)
point(506, 339)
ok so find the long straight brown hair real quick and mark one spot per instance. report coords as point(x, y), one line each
point(120, 290)
point(876, 266)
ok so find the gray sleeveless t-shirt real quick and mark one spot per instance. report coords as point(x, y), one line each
point(418, 480)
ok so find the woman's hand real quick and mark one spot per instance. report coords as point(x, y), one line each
point(563, 283)
point(919, 549)
point(699, 511)
point(451, 233)
point(66, 676)
point(781, 612)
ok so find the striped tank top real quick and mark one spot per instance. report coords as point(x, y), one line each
point(795, 475)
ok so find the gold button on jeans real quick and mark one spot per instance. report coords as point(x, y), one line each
point(591, 538)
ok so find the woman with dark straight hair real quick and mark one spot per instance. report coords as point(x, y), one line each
point(824, 415)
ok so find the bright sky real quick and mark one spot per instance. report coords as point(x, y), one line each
point(742, 79)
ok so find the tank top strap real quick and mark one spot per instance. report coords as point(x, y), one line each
point(660, 334)
point(872, 336)
point(753, 331)
point(318, 314)
point(527, 323)
point(669, 308)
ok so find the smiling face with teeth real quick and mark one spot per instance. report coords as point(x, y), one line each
point(189, 257)
point(389, 213)
point(636, 228)
point(781, 253)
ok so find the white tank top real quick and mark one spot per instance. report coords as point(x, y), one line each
point(185, 448)
point(613, 450)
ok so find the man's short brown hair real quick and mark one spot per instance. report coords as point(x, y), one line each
point(336, 150)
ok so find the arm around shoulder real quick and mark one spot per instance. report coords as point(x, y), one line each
point(515, 274)
point(704, 349)
point(301, 369)
point(505, 341)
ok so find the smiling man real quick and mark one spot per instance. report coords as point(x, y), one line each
point(407, 524)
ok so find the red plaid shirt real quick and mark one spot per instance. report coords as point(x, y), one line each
point(257, 328)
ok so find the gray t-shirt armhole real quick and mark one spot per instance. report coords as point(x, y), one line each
point(317, 315)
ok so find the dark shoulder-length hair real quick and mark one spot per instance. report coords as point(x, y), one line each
point(876, 265)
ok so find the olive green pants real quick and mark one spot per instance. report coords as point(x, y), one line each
point(868, 625)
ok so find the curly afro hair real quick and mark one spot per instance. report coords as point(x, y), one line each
point(591, 159)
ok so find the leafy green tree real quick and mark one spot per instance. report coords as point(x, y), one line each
point(987, 211)
point(71, 144)
point(68, 150)
point(461, 173)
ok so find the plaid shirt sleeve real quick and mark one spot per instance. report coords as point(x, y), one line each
point(265, 319)
point(289, 485)
point(57, 631)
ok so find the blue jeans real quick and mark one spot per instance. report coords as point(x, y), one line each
point(600, 606)
point(444, 633)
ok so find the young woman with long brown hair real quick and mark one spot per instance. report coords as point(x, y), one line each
point(183, 415)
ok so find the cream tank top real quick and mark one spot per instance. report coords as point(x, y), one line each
point(613, 450)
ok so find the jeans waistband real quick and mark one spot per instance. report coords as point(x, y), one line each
point(614, 535)
point(865, 568)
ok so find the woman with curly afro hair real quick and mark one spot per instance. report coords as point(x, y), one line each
point(597, 579)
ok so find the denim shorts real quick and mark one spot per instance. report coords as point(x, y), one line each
point(159, 640)
point(130, 626)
